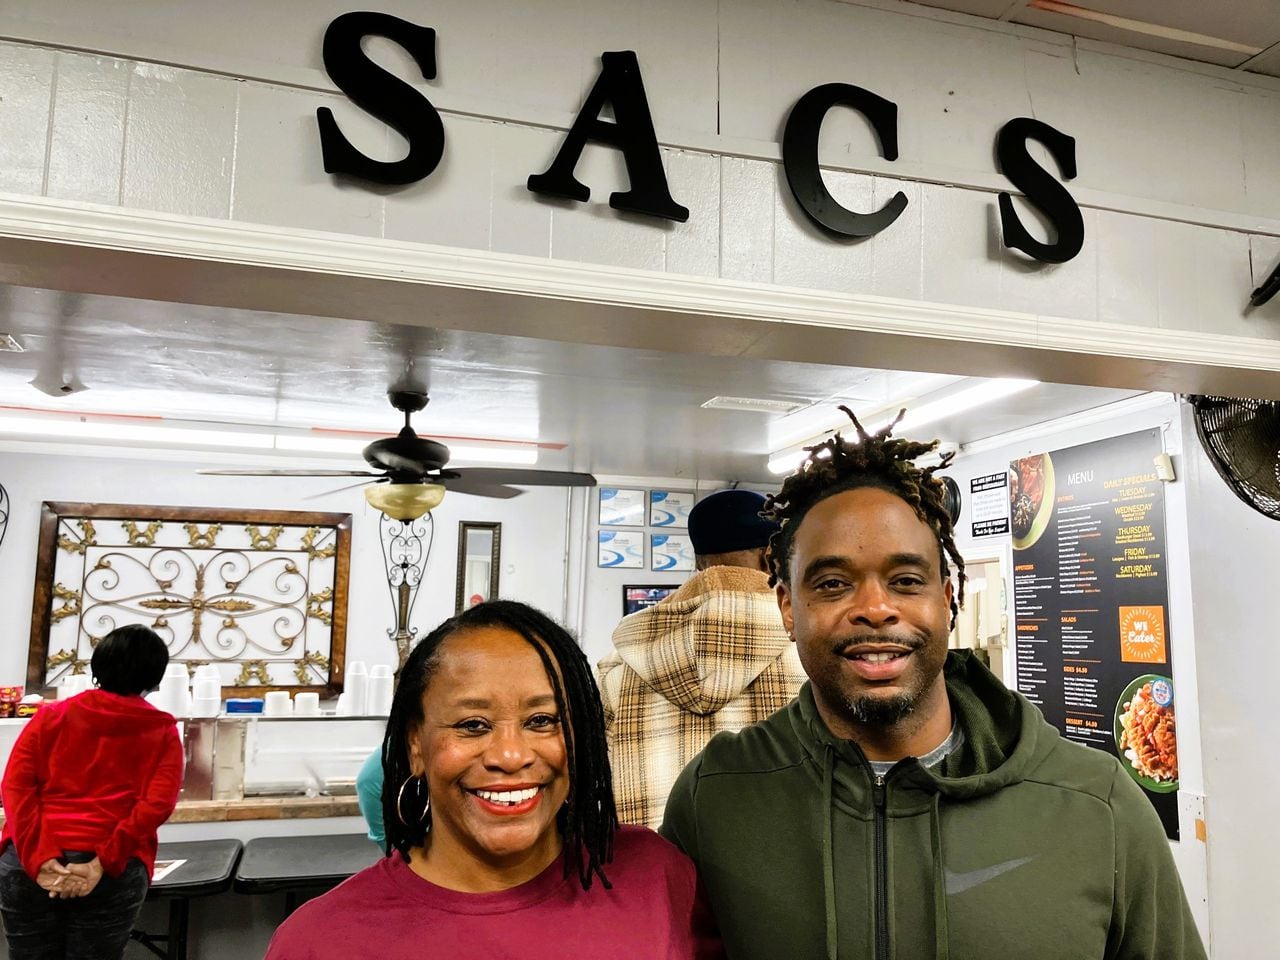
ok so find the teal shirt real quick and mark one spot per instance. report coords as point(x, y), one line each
point(369, 795)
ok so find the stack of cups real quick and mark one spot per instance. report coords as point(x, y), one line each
point(276, 703)
point(206, 691)
point(174, 696)
point(381, 688)
point(306, 704)
point(355, 690)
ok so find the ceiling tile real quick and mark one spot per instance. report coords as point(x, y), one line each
point(1252, 22)
point(991, 9)
point(1268, 63)
point(1093, 30)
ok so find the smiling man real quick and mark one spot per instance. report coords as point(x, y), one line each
point(906, 805)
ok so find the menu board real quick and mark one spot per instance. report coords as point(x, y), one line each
point(1091, 597)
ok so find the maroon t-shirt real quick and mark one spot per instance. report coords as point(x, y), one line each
point(653, 912)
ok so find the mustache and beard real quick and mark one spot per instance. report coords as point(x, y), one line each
point(875, 709)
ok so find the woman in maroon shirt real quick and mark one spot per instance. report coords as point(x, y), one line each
point(89, 782)
point(502, 836)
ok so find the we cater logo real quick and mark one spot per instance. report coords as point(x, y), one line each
point(1142, 638)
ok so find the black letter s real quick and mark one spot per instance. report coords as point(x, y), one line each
point(382, 94)
point(1040, 188)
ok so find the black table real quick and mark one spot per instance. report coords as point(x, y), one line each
point(208, 870)
point(295, 864)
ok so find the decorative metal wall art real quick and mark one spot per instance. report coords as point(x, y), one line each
point(406, 544)
point(261, 594)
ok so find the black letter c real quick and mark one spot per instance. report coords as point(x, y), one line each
point(800, 157)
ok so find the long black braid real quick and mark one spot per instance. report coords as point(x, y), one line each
point(873, 460)
point(588, 819)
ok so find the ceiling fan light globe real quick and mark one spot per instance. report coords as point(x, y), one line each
point(404, 501)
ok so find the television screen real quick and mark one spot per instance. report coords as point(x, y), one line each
point(638, 596)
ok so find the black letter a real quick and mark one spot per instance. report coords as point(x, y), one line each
point(619, 84)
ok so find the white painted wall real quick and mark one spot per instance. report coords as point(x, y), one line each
point(1178, 226)
point(1234, 560)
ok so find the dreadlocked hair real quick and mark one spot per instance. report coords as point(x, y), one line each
point(874, 460)
point(588, 820)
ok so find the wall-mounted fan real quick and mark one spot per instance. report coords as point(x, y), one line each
point(410, 476)
point(4, 511)
point(1242, 439)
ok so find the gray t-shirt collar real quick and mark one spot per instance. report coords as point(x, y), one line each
point(935, 756)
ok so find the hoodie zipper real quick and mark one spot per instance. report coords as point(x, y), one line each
point(882, 871)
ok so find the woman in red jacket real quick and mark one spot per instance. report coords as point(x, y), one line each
point(89, 782)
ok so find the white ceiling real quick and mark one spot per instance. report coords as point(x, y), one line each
point(618, 412)
point(1241, 34)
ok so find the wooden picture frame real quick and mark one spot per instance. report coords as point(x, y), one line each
point(473, 581)
point(257, 578)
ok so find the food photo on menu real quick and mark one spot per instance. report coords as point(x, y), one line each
point(1146, 733)
point(1030, 498)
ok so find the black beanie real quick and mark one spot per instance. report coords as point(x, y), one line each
point(729, 520)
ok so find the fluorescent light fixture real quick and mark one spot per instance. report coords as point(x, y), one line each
point(520, 456)
point(961, 401)
point(65, 428)
point(517, 454)
point(790, 461)
point(314, 443)
point(1085, 418)
point(160, 432)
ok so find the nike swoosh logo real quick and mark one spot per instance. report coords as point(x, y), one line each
point(960, 882)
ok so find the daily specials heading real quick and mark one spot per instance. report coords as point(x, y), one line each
point(620, 86)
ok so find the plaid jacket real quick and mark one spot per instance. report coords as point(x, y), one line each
point(713, 656)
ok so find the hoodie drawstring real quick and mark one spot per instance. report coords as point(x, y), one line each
point(828, 855)
point(941, 940)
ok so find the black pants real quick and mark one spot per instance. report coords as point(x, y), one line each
point(95, 927)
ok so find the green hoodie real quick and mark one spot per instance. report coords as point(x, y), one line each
point(1020, 844)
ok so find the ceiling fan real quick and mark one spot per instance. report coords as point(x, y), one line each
point(413, 470)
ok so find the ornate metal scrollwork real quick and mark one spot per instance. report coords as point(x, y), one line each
point(263, 541)
point(142, 538)
point(405, 547)
point(260, 594)
point(207, 539)
point(73, 544)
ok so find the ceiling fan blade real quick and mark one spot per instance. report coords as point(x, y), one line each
point(288, 473)
point(477, 488)
point(353, 486)
point(517, 477)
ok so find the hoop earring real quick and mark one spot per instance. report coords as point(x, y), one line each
point(419, 789)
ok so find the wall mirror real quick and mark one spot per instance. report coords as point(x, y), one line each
point(479, 550)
